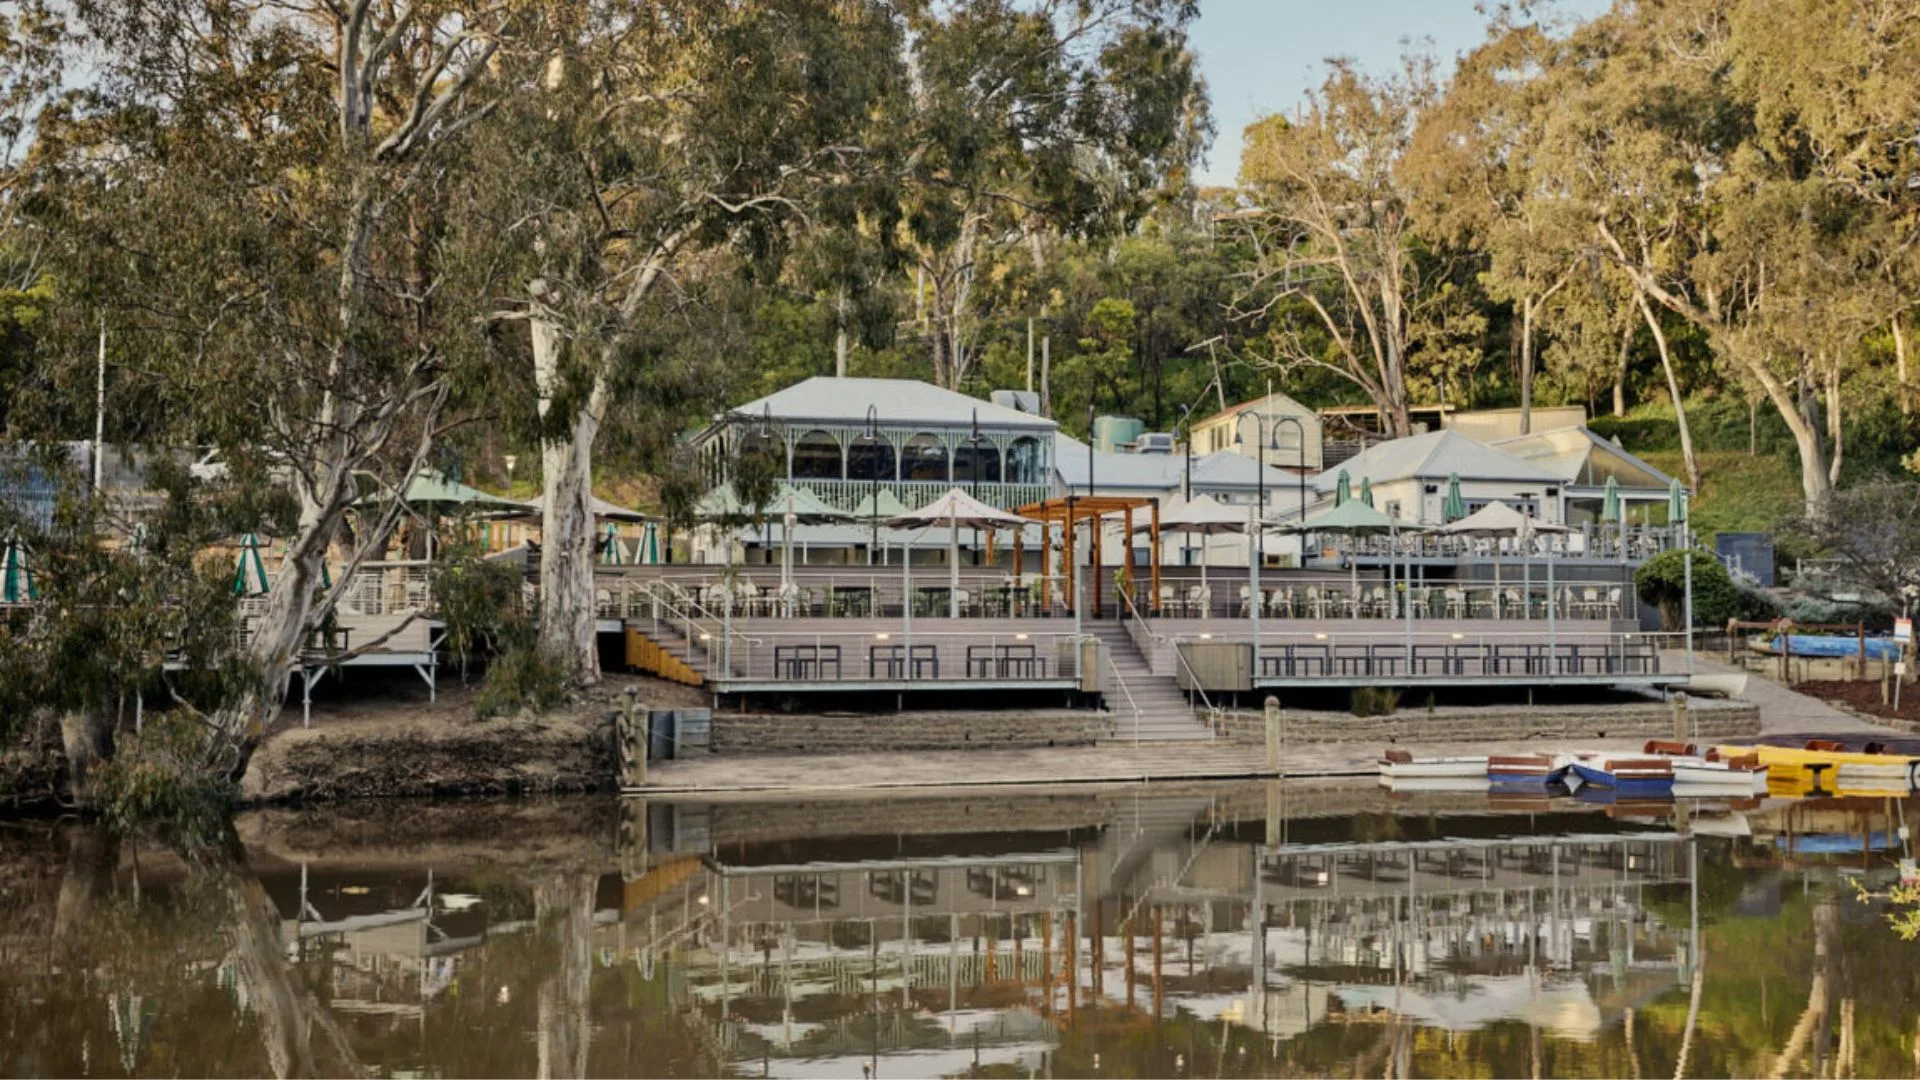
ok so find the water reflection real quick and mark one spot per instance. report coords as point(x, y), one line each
point(1239, 930)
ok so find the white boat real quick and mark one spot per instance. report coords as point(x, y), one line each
point(1406, 784)
point(1400, 765)
point(1895, 777)
point(1720, 777)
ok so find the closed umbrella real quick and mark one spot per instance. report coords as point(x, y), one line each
point(648, 552)
point(1676, 502)
point(250, 578)
point(1610, 501)
point(1343, 490)
point(613, 554)
point(1366, 490)
point(137, 542)
point(1455, 506)
point(16, 574)
point(956, 510)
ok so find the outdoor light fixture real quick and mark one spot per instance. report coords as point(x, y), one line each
point(879, 637)
point(1019, 637)
point(1319, 637)
point(1206, 637)
point(1458, 637)
point(705, 636)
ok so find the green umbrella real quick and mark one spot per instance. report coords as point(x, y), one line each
point(648, 552)
point(613, 555)
point(1354, 518)
point(250, 579)
point(1610, 505)
point(1455, 506)
point(137, 542)
point(1366, 490)
point(1344, 490)
point(888, 505)
point(1676, 503)
point(16, 574)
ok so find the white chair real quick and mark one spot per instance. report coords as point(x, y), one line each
point(1280, 603)
point(1316, 602)
point(1613, 602)
point(1199, 602)
point(1166, 598)
point(1246, 600)
point(1377, 604)
point(1456, 603)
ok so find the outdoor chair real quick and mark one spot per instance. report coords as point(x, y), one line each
point(1166, 598)
point(1613, 602)
point(1482, 602)
point(1246, 600)
point(1199, 601)
point(1456, 603)
point(1377, 603)
point(1316, 602)
point(1280, 603)
point(1419, 602)
point(963, 601)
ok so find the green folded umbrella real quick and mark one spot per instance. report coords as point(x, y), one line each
point(16, 574)
point(1455, 506)
point(612, 555)
point(1366, 490)
point(1676, 502)
point(1610, 504)
point(1343, 489)
point(250, 579)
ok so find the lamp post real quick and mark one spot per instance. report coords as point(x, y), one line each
point(973, 476)
point(872, 438)
point(1186, 486)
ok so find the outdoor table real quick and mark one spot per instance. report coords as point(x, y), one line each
point(852, 601)
point(893, 659)
point(806, 661)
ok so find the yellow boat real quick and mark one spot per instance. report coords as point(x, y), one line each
point(1832, 770)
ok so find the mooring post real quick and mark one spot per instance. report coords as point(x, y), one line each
point(1680, 716)
point(633, 739)
point(1273, 734)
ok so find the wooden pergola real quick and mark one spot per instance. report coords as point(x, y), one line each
point(1093, 510)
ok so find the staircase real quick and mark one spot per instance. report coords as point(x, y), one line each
point(1164, 713)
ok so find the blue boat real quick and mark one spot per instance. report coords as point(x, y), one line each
point(1524, 770)
point(1627, 775)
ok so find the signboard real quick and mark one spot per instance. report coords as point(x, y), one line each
point(1903, 630)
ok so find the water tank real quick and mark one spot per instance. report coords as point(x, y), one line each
point(1115, 434)
point(1026, 401)
point(1156, 442)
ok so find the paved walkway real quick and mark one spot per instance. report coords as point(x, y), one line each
point(1782, 713)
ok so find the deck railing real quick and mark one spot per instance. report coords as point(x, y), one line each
point(824, 658)
point(1453, 654)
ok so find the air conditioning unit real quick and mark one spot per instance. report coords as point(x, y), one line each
point(1026, 401)
point(1155, 442)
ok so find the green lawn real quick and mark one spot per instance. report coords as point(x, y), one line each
point(1737, 493)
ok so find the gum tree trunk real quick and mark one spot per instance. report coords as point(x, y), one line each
point(566, 516)
point(564, 904)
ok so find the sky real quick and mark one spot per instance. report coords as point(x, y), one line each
point(1262, 56)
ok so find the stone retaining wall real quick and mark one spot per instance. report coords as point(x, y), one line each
point(1633, 720)
point(751, 733)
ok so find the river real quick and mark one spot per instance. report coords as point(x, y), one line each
point(1208, 930)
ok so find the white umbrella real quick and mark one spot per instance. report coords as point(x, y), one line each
point(1497, 519)
point(956, 510)
point(1203, 517)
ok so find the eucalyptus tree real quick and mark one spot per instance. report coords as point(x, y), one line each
point(660, 146)
point(251, 194)
point(1025, 119)
point(1764, 209)
point(1337, 268)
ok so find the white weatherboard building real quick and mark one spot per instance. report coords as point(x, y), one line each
point(1410, 478)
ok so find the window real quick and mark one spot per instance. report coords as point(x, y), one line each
point(869, 459)
point(1023, 461)
point(816, 457)
point(981, 464)
point(923, 458)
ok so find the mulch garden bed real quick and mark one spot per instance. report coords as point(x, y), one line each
point(1864, 697)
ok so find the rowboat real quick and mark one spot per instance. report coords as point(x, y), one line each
point(1530, 770)
point(1714, 773)
point(1400, 765)
point(1828, 764)
point(1627, 774)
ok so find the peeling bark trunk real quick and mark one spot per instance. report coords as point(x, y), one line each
point(1526, 366)
point(1900, 368)
point(1673, 391)
point(1620, 372)
point(286, 1011)
point(92, 854)
point(567, 614)
point(86, 736)
point(565, 904)
point(1836, 421)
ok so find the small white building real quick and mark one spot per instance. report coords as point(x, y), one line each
point(1410, 477)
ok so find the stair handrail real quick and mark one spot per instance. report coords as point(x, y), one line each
point(1121, 682)
point(1213, 827)
point(679, 603)
point(1214, 714)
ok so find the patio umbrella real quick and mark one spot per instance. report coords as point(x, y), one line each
point(1343, 490)
point(1676, 502)
point(137, 541)
point(873, 510)
point(800, 506)
point(956, 510)
point(1352, 518)
point(1455, 506)
point(250, 578)
point(613, 555)
point(1610, 503)
point(648, 551)
point(1366, 490)
point(1203, 517)
point(16, 574)
point(1498, 519)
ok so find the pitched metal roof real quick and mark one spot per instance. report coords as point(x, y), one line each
point(1222, 469)
point(1568, 452)
point(898, 402)
point(1435, 456)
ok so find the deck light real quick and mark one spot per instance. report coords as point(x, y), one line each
point(879, 637)
point(1319, 637)
point(1019, 637)
point(705, 636)
point(1206, 637)
point(1458, 637)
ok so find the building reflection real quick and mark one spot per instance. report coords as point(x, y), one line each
point(1166, 907)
